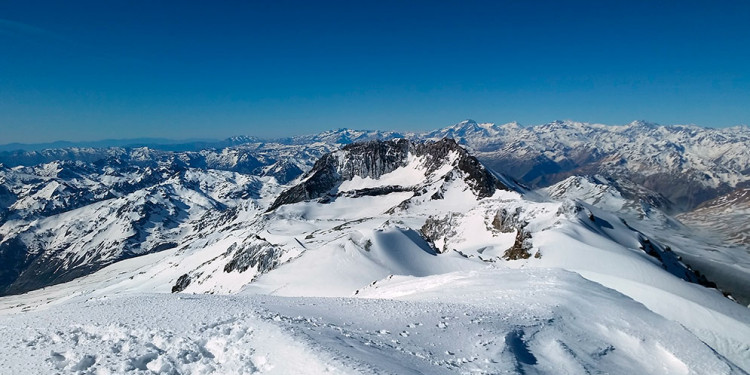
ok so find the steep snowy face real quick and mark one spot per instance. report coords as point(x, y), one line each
point(710, 239)
point(724, 223)
point(382, 167)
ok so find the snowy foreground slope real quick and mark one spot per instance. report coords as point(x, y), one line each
point(479, 322)
point(389, 257)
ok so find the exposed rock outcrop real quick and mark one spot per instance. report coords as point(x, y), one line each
point(374, 159)
point(255, 252)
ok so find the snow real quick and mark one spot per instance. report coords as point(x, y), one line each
point(455, 313)
point(712, 243)
point(484, 322)
point(355, 261)
point(410, 175)
point(352, 286)
point(161, 334)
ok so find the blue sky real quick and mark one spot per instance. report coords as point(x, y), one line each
point(86, 70)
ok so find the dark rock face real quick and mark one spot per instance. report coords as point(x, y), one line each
point(371, 159)
point(38, 271)
point(672, 262)
point(506, 221)
point(14, 259)
point(479, 178)
point(438, 229)
point(376, 191)
point(7, 198)
point(319, 184)
point(520, 248)
point(375, 158)
point(182, 283)
point(254, 252)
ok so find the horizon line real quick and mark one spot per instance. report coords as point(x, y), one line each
point(178, 141)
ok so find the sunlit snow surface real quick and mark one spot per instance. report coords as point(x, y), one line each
point(478, 322)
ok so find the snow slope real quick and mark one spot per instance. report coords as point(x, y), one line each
point(708, 244)
point(534, 321)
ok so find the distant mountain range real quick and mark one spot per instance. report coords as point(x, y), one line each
point(686, 164)
point(156, 143)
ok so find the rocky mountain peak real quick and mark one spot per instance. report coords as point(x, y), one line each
point(374, 159)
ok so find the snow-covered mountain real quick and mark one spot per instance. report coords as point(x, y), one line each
point(66, 218)
point(384, 256)
point(687, 164)
point(343, 136)
point(58, 233)
point(725, 217)
point(358, 169)
point(712, 256)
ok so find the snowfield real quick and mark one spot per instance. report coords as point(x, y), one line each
point(537, 321)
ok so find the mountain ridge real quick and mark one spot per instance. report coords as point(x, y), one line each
point(685, 163)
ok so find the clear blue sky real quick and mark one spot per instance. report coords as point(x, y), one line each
point(86, 70)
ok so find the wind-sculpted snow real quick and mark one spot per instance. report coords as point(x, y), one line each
point(489, 322)
point(158, 335)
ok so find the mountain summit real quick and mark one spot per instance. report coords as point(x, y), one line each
point(380, 167)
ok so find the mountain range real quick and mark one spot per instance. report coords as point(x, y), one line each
point(582, 247)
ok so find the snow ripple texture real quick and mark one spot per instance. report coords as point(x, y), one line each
point(479, 322)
